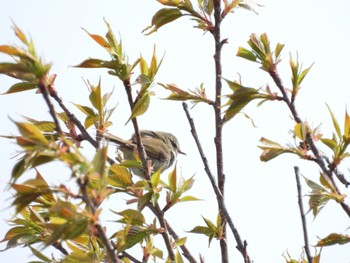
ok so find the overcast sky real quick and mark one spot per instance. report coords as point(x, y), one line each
point(260, 196)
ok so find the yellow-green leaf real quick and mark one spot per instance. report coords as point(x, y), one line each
point(143, 66)
point(347, 126)
point(333, 239)
point(335, 122)
point(161, 18)
point(21, 86)
point(141, 106)
point(95, 97)
point(32, 132)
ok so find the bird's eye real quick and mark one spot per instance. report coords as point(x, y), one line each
point(174, 144)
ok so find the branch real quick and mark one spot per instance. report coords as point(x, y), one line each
point(147, 169)
point(84, 134)
point(44, 89)
point(302, 215)
point(140, 149)
point(72, 118)
point(318, 157)
point(100, 230)
point(130, 257)
point(242, 247)
point(160, 216)
point(216, 32)
point(186, 253)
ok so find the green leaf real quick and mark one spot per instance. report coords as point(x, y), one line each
point(201, 230)
point(99, 161)
point(347, 126)
point(272, 149)
point(335, 122)
point(155, 179)
point(278, 50)
point(189, 198)
point(39, 255)
point(178, 257)
point(333, 239)
point(86, 110)
point(144, 200)
point(21, 86)
point(132, 217)
point(20, 34)
point(143, 66)
point(119, 176)
point(30, 131)
point(246, 54)
point(141, 106)
point(181, 241)
point(153, 69)
point(95, 97)
point(331, 143)
point(161, 18)
point(300, 130)
point(172, 180)
point(240, 97)
point(210, 224)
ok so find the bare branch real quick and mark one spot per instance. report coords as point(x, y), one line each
point(45, 92)
point(302, 215)
point(240, 245)
point(216, 32)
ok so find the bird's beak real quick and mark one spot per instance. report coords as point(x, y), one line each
point(182, 152)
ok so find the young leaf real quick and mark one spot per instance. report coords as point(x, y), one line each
point(347, 127)
point(335, 122)
point(141, 106)
point(20, 86)
point(333, 239)
point(246, 54)
point(161, 18)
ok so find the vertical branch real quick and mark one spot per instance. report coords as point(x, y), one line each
point(218, 120)
point(241, 246)
point(140, 148)
point(302, 215)
point(147, 168)
point(100, 230)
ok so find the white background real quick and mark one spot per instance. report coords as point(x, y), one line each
point(261, 197)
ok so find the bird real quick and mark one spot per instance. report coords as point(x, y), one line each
point(161, 148)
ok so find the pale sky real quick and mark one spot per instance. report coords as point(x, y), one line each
point(261, 197)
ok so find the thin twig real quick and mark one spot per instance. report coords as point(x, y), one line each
point(44, 91)
point(302, 215)
point(72, 118)
point(78, 124)
point(241, 246)
point(130, 257)
point(59, 247)
point(216, 32)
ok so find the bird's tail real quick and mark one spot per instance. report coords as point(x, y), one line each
point(115, 139)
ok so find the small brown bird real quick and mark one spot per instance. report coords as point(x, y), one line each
point(161, 148)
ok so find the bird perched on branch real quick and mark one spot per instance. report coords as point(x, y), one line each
point(161, 148)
